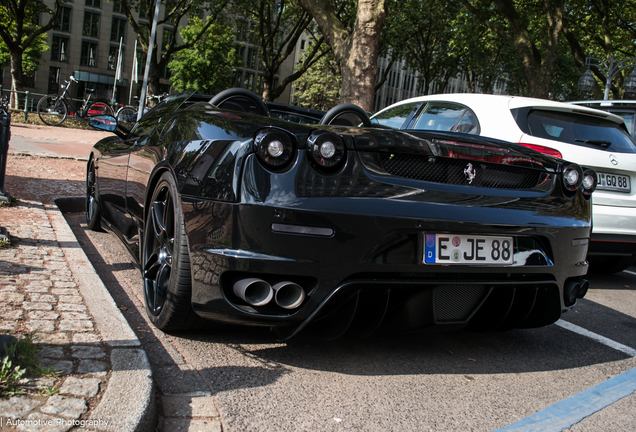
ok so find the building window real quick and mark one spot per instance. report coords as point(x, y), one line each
point(166, 39)
point(94, 3)
point(117, 7)
point(59, 48)
point(259, 84)
point(241, 31)
point(63, 23)
point(89, 54)
point(113, 53)
point(91, 24)
point(118, 29)
point(251, 58)
point(249, 81)
point(28, 79)
point(54, 80)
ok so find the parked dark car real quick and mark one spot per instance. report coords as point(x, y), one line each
point(240, 217)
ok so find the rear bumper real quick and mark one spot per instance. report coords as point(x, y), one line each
point(614, 231)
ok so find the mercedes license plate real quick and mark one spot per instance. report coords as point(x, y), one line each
point(467, 249)
point(613, 182)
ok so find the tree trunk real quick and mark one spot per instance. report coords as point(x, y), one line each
point(355, 51)
point(17, 77)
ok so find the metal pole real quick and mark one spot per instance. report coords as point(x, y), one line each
point(142, 97)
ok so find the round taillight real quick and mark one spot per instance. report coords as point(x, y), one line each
point(326, 150)
point(589, 181)
point(274, 148)
point(572, 177)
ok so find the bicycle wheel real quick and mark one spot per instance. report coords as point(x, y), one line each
point(52, 110)
point(98, 108)
point(126, 114)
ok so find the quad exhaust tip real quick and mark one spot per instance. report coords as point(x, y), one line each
point(575, 288)
point(257, 292)
point(254, 291)
point(288, 295)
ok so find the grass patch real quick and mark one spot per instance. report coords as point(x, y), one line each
point(11, 202)
point(23, 361)
point(34, 119)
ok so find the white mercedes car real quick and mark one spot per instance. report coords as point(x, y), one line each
point(592, 138)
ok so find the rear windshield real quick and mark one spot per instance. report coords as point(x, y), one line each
point(578, 129)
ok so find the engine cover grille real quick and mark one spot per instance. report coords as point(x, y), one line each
point(461, 172)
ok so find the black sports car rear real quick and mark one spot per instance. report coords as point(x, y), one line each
point(244, 218)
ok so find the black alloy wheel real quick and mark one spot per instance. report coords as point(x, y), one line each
point(166, 261)
point(93, 213)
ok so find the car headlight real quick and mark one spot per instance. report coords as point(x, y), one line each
point(326, 149)
point(572, 177)
point(274, 147)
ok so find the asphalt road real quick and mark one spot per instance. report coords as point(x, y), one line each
point(459, 381)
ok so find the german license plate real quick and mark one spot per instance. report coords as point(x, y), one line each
point(613, 182)
point(467, 249)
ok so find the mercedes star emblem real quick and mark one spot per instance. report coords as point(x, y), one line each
point(613, 159)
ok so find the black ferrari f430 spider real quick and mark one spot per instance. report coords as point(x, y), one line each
point(237, 214)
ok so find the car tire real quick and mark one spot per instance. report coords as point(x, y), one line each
point(610, 264)
point(166, 261)
point(93, 212)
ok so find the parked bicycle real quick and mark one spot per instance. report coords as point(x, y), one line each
point(53, 109)
point(128, 113)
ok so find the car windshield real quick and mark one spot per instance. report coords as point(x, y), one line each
point(581, 130)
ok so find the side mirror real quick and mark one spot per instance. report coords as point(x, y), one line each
point(103, 122)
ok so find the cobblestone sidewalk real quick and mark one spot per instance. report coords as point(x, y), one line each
point(39, 296)
point(45, 293)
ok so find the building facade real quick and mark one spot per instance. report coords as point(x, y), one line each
point(85, 43)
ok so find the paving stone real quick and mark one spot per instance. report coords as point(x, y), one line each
point(65, 406)
point(51, 338)
point(76, 325)
point(61, 284)
point(88, 352)
point(87, 387)
point(38, 306)
point(45, 326)
point(18, 407)
point(70, 307)
point(12, 315)
point(70, 299)
point(7, 326)
point(43, 422)
point(44, 298)
point(12, 297)
point(44, 315)
point(37, 289)
point(54, 352)
point(75, 316)
point(95, 367)
point(65, 291)
point(8, 289)
point(195, 425)
point(63, 367)
point(189, 406)
point(37, 383)
point(86, 338)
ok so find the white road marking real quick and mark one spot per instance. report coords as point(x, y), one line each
point(598, 338)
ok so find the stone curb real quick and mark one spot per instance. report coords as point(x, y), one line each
point(128, 403)
point(46, 155)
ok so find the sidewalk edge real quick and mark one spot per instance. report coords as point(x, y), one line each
point(131, 372)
